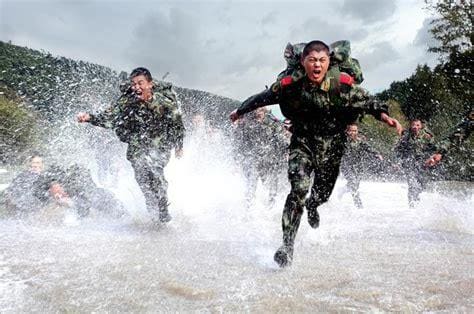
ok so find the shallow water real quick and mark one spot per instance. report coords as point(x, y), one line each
point(216, 255)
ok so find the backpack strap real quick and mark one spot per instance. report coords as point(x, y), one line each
point(340, 82)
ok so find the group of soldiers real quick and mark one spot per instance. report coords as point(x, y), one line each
point(321, 104)
point(260, 144)
point(321, 107)
point(48, 191)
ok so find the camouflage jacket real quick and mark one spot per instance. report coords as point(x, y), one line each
point(458, 135)
point(411, 148)
point(139, 123)
point(323, 110)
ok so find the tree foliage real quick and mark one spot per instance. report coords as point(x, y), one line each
point(442, 96)
point(18, 130)
point(452, 27)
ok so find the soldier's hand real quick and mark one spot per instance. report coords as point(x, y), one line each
point(178, 152)
point(392, 122)
point(234, 116)
point(433, 160)
point(83, 117)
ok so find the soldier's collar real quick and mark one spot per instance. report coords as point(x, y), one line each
point(324, 86)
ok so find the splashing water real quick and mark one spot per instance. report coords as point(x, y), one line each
point(216, 255)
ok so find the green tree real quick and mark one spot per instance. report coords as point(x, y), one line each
point(18, 131)
point(452, 27)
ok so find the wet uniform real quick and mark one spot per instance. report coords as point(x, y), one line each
point(354, 162)
point(412, 150)
point(20, 197)
point(320, 115)
point(151, 130)
point(260, 149)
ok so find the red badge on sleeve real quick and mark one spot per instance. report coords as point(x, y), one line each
point(287, 80)
point(345, 78)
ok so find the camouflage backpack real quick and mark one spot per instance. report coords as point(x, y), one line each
point(340, 58)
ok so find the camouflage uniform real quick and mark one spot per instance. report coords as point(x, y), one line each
point(319, 115)
point(356, 159)
point(19, 197)
point(412, 150)
point(151, 129)
point(261, 148)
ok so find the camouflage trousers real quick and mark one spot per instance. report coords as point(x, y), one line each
point(148, 163)
point(319, 157)
point(353, 182)
point(266, 171)
point(416, 180)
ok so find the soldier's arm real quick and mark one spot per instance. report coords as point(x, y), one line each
point(104, 119)
point(270, 96)
point(361, 99)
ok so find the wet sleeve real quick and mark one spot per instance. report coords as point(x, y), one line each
point(360, 98)
point(270, 96)
point(105, 119)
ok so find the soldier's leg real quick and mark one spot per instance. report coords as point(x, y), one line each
point(414, 188)
point(251, 179)
point(325, 175)
point(148, 168)
point(299, 174)
point(159, 184)
point(273, 187)
point(144, 176)
point(269, 174)
point(353, 182)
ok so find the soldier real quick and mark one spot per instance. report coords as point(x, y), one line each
point(147, 118)
point(413, 148)
point(19, 197)
point(320, 105)
point(456, 137)
point(262, 152)
point(74, 187)
point(356, 157)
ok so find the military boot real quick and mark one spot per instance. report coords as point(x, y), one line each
point(284, 256)
point(312, 210)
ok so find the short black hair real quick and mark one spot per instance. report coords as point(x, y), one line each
point(32, 155)
point(315, 45)
point(141, 71)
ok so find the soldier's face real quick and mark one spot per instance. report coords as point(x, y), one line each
point(316, 65)
point(36, 165)
point(415, 127)
point(352, 131)
point(142, 88)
